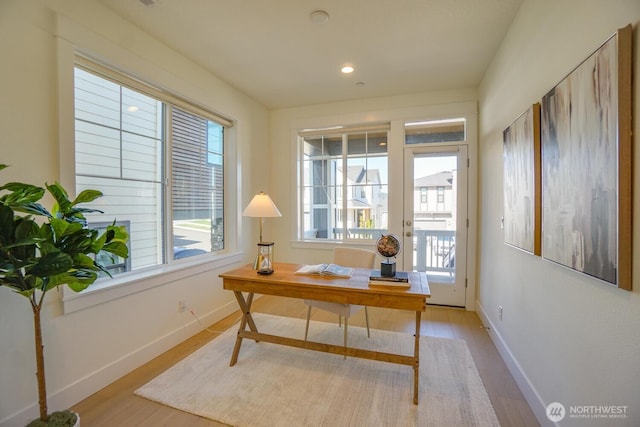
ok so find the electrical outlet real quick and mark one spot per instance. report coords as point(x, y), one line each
point(500, 312)
point(182, 306)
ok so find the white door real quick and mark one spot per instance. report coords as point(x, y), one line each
point(435, 219)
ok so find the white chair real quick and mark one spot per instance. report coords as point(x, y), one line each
point(348, 257)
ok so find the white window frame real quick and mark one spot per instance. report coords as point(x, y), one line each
point(343, 132)
point(108, 289)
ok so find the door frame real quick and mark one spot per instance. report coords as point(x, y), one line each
point(450, 294)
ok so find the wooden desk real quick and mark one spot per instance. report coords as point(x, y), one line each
point(355, 290)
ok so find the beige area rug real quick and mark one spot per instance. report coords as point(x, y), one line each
point(273, 385)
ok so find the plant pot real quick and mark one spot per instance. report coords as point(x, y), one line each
point(58, 419)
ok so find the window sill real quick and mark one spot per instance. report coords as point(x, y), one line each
point(110, 289)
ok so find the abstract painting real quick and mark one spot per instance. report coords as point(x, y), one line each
point(586, 165)
point(521, 154)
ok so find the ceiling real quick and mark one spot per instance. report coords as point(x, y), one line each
point(272, 51)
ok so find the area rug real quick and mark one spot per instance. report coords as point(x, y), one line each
point(273, 385)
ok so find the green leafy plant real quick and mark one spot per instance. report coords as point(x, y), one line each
point(41, 250)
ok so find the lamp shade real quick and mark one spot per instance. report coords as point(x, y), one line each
point(261, 206)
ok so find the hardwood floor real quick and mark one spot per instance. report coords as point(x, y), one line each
point(116, 405)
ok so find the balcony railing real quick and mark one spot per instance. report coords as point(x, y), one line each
point(360, 233)
point(435, 250)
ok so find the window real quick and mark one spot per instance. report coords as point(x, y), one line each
point(343, 184)
point(158, 161)
point(435, 131)
point(440, 194)
point(423, 195)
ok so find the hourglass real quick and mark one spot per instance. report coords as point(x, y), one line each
point(265, 258)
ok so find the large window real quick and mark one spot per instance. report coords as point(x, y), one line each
point(159, 165)
point(344, 184)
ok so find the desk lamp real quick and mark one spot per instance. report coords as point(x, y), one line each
point(261, 206)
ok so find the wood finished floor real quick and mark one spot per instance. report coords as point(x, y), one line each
point(116, 405)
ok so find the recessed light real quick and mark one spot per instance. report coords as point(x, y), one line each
point(359, 84)
point(319, 17)
point(347, 69)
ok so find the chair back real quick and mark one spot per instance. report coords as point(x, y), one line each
point(352, 257)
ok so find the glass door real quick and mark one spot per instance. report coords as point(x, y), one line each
point(435, 219)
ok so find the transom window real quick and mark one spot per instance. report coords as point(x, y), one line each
point(343, 184)
point(435, 131)
point(159, 165)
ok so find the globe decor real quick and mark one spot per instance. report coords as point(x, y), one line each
point(388, 246)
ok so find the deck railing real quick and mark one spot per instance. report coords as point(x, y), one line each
point(433, 250)
point(360, 233)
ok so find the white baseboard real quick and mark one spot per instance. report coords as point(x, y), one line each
point(102, 377)
point(530, 394)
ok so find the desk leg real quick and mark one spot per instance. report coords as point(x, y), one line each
point(416, 355)
point(245, 307)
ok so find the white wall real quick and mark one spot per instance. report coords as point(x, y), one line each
point(90, 348)
point(568, 338)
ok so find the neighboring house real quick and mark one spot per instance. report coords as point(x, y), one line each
point(434, 201)
point(364, 206)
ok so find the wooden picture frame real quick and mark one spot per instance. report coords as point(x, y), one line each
point(587, 165)
point(521, 186)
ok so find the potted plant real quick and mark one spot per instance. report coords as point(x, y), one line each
point(42, 249)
